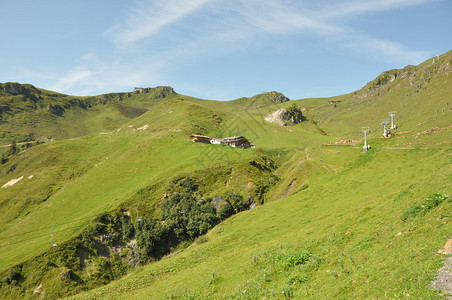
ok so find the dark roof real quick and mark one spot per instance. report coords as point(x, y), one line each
point(234, 138)
point(200, 136)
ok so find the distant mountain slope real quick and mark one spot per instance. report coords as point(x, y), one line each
point(28, 113)
point(258, 101)
point(419, 95)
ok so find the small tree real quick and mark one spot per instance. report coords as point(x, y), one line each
point(294, 113)
point(237, 202)
point(225, 210)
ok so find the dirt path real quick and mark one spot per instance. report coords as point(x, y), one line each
point(21, 143)
point(443, 280)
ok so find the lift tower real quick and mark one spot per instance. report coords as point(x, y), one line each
point(365, 130)
point(392, 115)
point(386, 132)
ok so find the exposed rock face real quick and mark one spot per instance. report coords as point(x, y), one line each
point(13, 88)
point(276, 97)
point(164, 90)
point(285, 117)
point(278, 117)
point(56, 110)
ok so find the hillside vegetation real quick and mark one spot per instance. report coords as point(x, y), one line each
point(104, 196)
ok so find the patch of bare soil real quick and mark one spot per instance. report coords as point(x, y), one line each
point(289, 188)
point(344, 142)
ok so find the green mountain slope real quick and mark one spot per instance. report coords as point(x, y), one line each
point(31, 114)
point(346, 227)
point(336, 222)
point(420, 96)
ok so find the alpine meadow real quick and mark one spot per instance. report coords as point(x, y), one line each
point(152, 194)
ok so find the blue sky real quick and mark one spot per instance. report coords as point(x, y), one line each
point(217, 49)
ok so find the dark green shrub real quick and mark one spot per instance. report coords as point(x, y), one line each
point(295, 115)
point(188, 217)
point(236, 202)
point(434, 200)
point(152, 237)
point(189, 185)
point(419, 210)
point(225, 210)
point(87, 238)
point(127, 228)
point(13, 276)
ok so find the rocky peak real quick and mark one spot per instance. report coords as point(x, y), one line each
point(14, 88)
point(276, 97)
point(163, 89)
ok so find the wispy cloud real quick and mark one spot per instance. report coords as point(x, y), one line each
point(279, 17)
point(97, 73)
point(203, 28)
point(150, 17)
point(355, 8)
point(383, 49)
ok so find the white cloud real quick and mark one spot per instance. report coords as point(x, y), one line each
point(200, 28)
point(278, 17)
point(383, 49)
point(150, 17)
point(80, 74)
point(356, 8)
point(235, 23)
point(106, 74)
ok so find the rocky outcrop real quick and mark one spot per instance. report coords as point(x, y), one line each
point(56, 109)
point(158, 92)
point(278, 117)
point(15, 88)
point(286, 117)
point(276, 97)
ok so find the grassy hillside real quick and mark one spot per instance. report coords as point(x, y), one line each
point(336, 222)
point(31, 114)
point(340, 237)
point(420, 96)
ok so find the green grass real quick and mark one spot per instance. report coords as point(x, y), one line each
point(121, 165)
point(333, 224)
point(348, 223)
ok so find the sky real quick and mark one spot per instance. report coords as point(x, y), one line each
point(217, 49)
